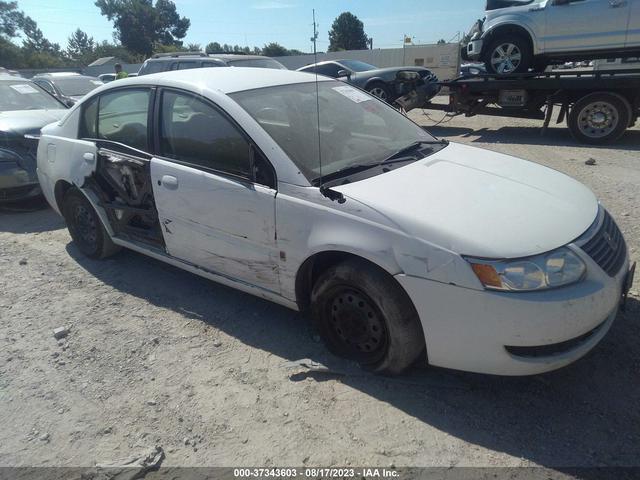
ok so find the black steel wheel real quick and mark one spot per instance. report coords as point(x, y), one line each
point(85, 226)
point(363, 314)
point(599, 118)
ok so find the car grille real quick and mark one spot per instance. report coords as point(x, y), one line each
point(607, 247)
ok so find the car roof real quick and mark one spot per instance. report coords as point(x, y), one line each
point(51, 77)
point(195, 57)
point(225, 80)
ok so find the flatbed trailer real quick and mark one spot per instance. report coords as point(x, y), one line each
point(599, 106)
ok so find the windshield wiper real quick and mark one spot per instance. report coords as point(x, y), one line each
point(346, 171)
point(413, 147)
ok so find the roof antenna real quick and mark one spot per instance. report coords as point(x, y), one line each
point(326, 191)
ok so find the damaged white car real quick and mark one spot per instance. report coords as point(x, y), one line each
point(325, 199)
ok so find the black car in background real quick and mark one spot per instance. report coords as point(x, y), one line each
point(24, 109)
point(384, 83)
point(164, 62)
point(67, 87)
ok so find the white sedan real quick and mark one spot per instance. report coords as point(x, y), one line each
point(317, 196)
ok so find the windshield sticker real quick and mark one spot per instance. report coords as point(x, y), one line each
point(24, 88)
point(352, 94)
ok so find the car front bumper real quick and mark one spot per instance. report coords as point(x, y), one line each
point(17, 184)
point(507, 333)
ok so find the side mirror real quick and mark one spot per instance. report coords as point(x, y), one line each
point(69, 103)
point(407, 76)
point(344, 73)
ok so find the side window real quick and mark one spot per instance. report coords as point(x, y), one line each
point(329, 69)
point(188, 65)
point(89, 120)
point(122, 117)
point(46, 85)
point(194, 132)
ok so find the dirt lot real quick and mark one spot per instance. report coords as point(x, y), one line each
point(157, 356)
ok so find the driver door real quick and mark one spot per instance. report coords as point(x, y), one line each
point(580, 25)
point(215, 192)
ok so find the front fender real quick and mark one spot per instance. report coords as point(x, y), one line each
point(514, 20)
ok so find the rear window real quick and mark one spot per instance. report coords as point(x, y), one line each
point(257, 63)
point(150, 67)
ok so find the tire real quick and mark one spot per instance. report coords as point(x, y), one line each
point(599, 118)
point(516, 52)
point(362, 314)
point(380, 90)
point(85, 227)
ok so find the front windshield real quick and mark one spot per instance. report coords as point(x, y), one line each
point(76, 86)
point(258, 63)
point(355, 128)
point(357, 65)
point(24, 95)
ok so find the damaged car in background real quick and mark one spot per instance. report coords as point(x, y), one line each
point(406, 87)
point(320, 197)
point(24, 109)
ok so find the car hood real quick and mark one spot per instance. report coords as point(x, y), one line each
point(479, 203)
point(28, 121)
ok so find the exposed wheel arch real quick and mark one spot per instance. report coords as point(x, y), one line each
point(60, 190)
point(315, 265)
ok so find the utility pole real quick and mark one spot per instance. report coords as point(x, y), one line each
point(314, 39)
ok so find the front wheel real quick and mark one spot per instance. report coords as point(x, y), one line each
point(599, 118)
point(362, 314)
point(506, 55)
point(380, 90)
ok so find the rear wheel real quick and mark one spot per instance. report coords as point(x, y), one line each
point(362, 314)
point(599, 118)
point(85, 226)
point(508, 54)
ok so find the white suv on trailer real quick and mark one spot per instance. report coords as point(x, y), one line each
point(517, 35)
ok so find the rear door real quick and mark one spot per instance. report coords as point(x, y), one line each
point(633, 34)
point(215, 192)
point(584, 25)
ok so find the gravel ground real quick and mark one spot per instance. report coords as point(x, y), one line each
point(157, 356)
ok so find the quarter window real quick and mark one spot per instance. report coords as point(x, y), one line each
point(122, 117)
point(195, 133)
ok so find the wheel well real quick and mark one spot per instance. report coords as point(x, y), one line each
point(315, 266)
point(507, 30)
point(60, 191)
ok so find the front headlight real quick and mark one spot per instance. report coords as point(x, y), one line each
point(550, 270)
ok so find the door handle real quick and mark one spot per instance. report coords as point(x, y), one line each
point(169, 181)
point(89, 157)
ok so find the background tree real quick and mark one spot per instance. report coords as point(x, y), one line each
point(347, 33)
point(140, 25)
point(193, 47)
point(213, 47)
point(274, 49)
point(80, 47)
point(11, 20)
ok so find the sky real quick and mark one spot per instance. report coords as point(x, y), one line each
point(288, 22)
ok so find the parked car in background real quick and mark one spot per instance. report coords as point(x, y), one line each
point(384, 83)
point(472, 69)
point(67, 87)
point(164, 62)
point(24, 109)
point(518, 35)
point(318, 196)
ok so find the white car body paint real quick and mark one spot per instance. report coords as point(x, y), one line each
point(416, 222)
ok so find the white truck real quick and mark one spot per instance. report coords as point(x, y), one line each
point(518, 35)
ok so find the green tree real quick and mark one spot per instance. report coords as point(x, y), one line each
point(11, 19)
point(347, 33)
point(274, 49)
point(193, 47)
point(140, 24)
point(213, 47)
point(80, 47)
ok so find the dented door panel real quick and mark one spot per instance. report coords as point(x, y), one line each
point(221, 224)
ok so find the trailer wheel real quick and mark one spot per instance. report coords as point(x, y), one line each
point(599, 118)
